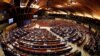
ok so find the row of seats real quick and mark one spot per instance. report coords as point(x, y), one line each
point(72, 34)
point(92, 45)
point(78, 37)
point(36, 41)
point(18, 33)
point(44, 50)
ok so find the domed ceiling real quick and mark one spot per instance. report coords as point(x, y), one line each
point(88, 8)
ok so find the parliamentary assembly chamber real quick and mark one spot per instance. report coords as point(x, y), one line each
point(49, 27)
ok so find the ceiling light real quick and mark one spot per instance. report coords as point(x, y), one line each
point(23, 3)
point(34, 6)
point(59, 6)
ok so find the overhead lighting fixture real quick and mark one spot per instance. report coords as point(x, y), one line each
point(34, 6)
point(59, 6)
point(23, 3)
point(72, 2)
point(7, 1)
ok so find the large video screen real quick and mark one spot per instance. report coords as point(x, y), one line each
point(11, 20)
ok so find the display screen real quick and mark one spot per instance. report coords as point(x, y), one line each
point(11, 20)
